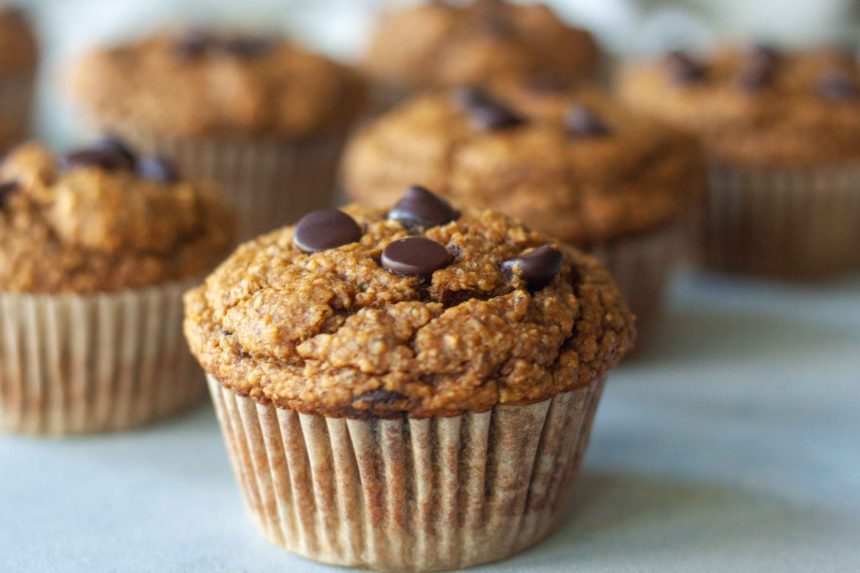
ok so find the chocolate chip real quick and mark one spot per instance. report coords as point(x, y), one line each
point(246, 46)
point(537, 267)
point(420, 207)
point(415, 256)
point(484, 111)
point(113, 144)
point(762, 55)
point(7, 189)
point(759, 68)
point(837, 86)
point(325, 229)
point(684, 70)
point(380, 397)
point(157, 169)
point(581, 121)
point(94, 157)
point(193, 44)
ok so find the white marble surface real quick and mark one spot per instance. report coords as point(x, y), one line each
point(733, 445)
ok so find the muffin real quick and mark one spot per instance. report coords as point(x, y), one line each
point(264, 118)
point(96, 249)
point(19, 54)
point(782, 134)
point(566, 160)
point(411, 389)
point(440, 44)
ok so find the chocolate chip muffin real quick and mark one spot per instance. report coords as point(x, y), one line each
point(434, 368)
point(565, 159)
point(96, 248)
point(261, 116)
point(438, 44)
point(782, 133)
point(19, 58)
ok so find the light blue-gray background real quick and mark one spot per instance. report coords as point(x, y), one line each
point(732, 446)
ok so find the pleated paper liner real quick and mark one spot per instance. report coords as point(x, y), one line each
point(16, 101)
point(73, 364)
point(791, 223)
point(642, 266)
point(271, 182)
point(405, 494)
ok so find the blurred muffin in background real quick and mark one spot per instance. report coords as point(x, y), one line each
point(96, 249)
point(568, 161)
point(782, 134)
point(19, 57)
point(441, 44)
point(264, 118)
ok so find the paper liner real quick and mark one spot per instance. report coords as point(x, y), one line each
point(94, 363)
point(270, 182)
point(802, 223)
point(16, 101)
point(407, 494)
point(642, 266)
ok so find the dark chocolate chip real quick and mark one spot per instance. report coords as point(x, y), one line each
point(7, 189)
point(762, 55)
point(246, 46)
point(420, 207)
point(380, 397)
point(755, 79)
point(193, 44)
point(837, 86)
point(325, 229)
point(94, 157)
point(484, 111)
point(683, 69)
point(581, 121)
point(157, 169)
point(537, 267)
point(415, 256)
point(113, 144)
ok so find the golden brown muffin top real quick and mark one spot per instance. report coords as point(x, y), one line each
point(422, 310)
point(19, 51)
point(570, 161)
point(443, 44)
point(100, 219)
point(201, 84)
point(758, 105)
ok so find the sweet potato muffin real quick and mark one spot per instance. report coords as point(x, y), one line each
point(438, 44)
point(564, 159)
point(263, 117)
point(19, 59)
point(96, 247)
point(394, 349)
point(782, 132)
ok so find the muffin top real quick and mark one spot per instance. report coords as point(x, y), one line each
point(201, 84)
point(19, 50)
point(100, 219)
point(758, 105)
point(421, 310)
point(441, 44)
point(566, 160)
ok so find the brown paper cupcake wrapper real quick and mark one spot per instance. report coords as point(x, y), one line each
point(16, 101)
point(94, 363)
point(407, 494)
point(802, 223)
point(270, 182)
point(642, 266)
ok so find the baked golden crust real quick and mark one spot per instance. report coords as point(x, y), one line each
point(283, 91)
point(583, 190)
point(335, 333)
point(19, 51)
point(439, 44)
point(92, 230)
point(787, 121)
